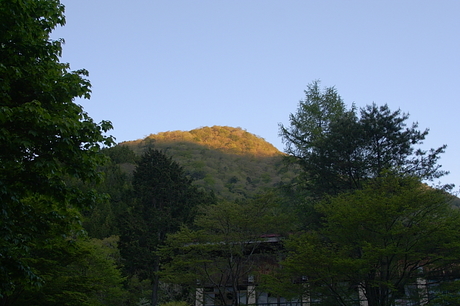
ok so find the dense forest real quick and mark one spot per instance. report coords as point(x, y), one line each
point(347, 215)
point(231, 162)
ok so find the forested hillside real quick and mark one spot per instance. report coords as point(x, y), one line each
point(196, 217)
point(229, 161)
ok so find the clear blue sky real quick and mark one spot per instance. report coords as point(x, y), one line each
point(178, 65)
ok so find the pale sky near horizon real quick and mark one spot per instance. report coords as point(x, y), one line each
point(169, 65)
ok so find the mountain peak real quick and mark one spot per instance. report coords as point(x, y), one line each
point(223, 138)
point(231, 162)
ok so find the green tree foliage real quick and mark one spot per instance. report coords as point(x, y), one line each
point(77, 272)
point(101, 220)
point(227, 245)
point(312, 120)
point(45, 137)
point(163, 199)
point(378, 240)
point(223, 138)
point(338, 150)
point(230, 162)
point(389, 144)
point(121, 154)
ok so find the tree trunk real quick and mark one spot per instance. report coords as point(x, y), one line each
point(155, 282)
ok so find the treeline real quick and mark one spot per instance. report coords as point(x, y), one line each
point(372, 230)
point(85, 223)
point(157, 204)
point(356, 222)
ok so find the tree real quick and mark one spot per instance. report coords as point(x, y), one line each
point(389, 145)
point(305, 135)
point(338, 150)
point(101, 220)
point(377, 242)
point(163, 199)
point(228, 244)
point(45, 137)
point(312, 120)
point(77, 272)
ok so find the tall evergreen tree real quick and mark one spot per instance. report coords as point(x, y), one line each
point(338, 150)
point(164, 199)
point(390, 144)
point(312, 120)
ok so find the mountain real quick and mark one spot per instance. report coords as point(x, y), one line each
point(229, 161)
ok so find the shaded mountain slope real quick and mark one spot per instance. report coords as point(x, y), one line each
point(230, 161)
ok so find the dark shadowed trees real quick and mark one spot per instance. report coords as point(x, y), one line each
point(375, 243)
point(230, 242)
point(338, 150)
point(374, 229)
point(101, 220)
point(45, 138)
point(77, 272)
point(163, 199)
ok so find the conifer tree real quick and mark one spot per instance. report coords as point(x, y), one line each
point(163, 199)
point(338, 149)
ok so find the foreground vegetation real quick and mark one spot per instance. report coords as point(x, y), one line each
point(149, 221)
